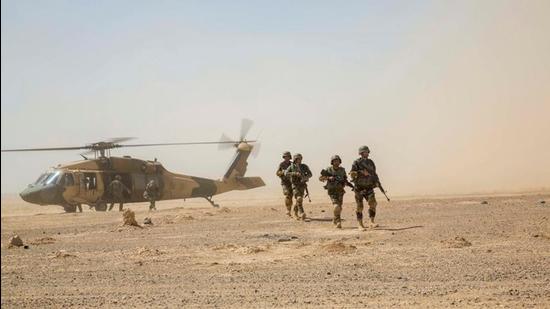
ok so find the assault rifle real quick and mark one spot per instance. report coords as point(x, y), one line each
point(307, 193)
point(338, 179)
point(379, 185)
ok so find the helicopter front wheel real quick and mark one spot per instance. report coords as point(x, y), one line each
point(69, 208)
point(100, 206)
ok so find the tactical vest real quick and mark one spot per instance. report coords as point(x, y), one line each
point(362, 181)
point(336, 186)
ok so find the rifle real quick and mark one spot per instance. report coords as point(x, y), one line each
point(307, 193)
point(379, 185)
point(338, 179)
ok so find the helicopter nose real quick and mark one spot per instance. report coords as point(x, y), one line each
point(30, 195)
point(39, 195)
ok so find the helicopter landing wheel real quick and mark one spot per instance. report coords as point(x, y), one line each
point(69, 208)
point(100, 206)
point(209, 199)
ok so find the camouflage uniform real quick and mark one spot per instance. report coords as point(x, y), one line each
point(151, 193)
point(335, 188)
point(285, 182)
point(117, 188)
point(299, 174)
point(363, 173)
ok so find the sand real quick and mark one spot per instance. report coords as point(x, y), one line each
point(444, 252)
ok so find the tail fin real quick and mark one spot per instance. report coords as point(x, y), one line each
point(237, 168)
point(234, 179)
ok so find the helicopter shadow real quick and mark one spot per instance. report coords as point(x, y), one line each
point(385, 228)
point(322, 219)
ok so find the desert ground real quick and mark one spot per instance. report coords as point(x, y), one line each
point(427, 252)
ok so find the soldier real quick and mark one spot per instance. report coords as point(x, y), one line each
point(285, 181)
point(363, 174)
point(299, 174)
point(336, 179)
point(117, 189)
point(151, 193)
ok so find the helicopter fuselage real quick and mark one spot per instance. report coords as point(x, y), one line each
point(87, 182)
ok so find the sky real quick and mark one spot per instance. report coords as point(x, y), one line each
point(451, 96)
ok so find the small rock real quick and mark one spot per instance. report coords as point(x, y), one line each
point(542, 202)
point(16, 241)
point(147, 220)
point(322, 210)
point(25, 247)
point(484, 203)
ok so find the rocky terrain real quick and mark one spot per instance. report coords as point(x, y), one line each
point(438, 252)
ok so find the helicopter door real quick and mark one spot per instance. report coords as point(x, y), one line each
point(72, 187)
point(90, 187)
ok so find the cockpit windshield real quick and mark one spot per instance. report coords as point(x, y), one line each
point(48, 178)
point(52, 178)
point(41, 178)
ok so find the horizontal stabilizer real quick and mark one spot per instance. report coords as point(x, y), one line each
point(250, 182)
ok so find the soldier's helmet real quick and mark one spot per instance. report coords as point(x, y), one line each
point(297, 156)
point(287, 154)
point(117, 177)
point(364, 149)
point(335, 157)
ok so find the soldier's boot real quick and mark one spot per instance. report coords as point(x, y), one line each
point(120, 207)
point(288, 204)
point(359, 215)
point(337, 220)
point(110, 206)
point(303, 213)
point(372, 214)
point(295, 210)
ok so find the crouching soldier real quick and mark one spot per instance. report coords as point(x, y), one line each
point(285, 181)
point(336, 179)
point(299, 174)
point(363, 174)
point(151, 193)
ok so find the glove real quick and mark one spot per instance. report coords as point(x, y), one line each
point(280, 173)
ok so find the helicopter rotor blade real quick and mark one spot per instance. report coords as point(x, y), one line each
point(179, 144)
point(256, 150)
point(116, 140)
point(246, 124)
point(45, 149)
point(224, 139)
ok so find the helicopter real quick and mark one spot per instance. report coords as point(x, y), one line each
point(86, 181)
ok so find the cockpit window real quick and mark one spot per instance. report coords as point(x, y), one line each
point(69, 180)
point(42, 178)
point(52, 177)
